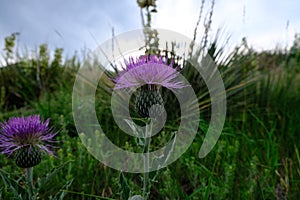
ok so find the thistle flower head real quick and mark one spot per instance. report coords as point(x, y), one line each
point(30, 133)
point(149, 73)
point(152, 71)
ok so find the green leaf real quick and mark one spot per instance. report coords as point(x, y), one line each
point(124, 187)
point(41, 182)
point(63, 191)
point(18, 191)
point(163, 159)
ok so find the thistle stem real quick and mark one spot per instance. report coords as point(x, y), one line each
point(29, 180)
point(146, 183)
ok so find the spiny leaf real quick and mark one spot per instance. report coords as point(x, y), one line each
point(43, 181)
point(18, 191)
point(124, 187)
point(63, 192)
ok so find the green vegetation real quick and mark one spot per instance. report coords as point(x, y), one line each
point(256, 157)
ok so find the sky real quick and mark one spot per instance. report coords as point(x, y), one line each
point(79, 25)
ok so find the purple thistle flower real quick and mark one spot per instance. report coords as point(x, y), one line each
point(152, 71)
point(26, 133)
point(149, 73)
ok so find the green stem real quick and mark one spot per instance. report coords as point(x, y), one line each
point(146, 181)
point(29, 180)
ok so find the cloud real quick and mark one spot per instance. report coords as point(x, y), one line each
point(180, 16)
point(74, 24)
point(69, 24)
point(263, 23)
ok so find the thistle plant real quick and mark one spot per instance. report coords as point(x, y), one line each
point(148, 73)
point(25, 139)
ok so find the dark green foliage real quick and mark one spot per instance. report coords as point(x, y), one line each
point(24, 81)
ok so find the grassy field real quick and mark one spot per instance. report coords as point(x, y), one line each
point(256, 157)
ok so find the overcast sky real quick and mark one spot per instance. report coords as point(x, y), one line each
point(78, 24)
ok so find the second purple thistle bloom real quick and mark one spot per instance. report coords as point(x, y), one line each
point(26, 138)
point(148, 73)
